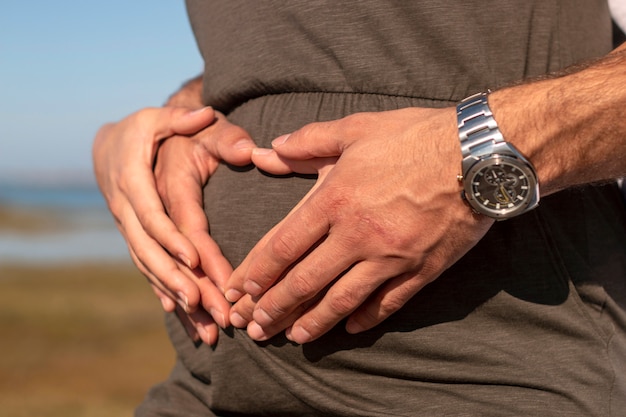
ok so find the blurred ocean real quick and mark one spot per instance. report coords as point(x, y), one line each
point(57, 223)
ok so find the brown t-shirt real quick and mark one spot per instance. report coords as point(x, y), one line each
point(530, 322)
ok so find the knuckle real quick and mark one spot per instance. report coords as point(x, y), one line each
point(382, 307)
point(233, 132)
point(268, 312)
point(339, 198)
point(116, 207)
point(389, 307)
point(274, 309)
point(337, 205)
point(301, 286)
point(143, 255)
point(305, 135)
point(283, 248)
point(149, 220)
point(315, 326)
point(204, 157)
point(123, 181)
point(394, 302)
point(261, 273)
point(127, 181)
point(371, 315)
point(342, 302)
point(308, 131)
point(354, 124)
point(363, 233)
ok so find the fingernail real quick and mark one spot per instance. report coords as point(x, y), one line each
point(233, 295)
point(219, 318)
point(252, 288)
point(166, 303)
point(262, 151)
point(298, 335)
point(256, 332)
point(354, 327)
point(244, 144)
point(237, 321)
point(183, 301)
point(261, 317)
point(184, 260)
point(280, 140)
point(204, 335)
point(201, 110)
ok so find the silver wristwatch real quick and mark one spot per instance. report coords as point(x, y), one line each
point(498, 181)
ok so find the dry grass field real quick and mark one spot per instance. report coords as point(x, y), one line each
point(83, 340)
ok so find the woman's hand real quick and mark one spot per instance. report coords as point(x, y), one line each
point(124, 155)
point(183, 166)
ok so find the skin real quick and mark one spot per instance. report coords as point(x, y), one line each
point(386, 219)
point(383, 220)
point(159, 212)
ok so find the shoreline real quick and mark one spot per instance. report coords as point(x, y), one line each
point(55, 235)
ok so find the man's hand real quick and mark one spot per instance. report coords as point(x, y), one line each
point(378, 226)
point(124, 155)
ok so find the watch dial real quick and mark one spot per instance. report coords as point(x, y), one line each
point(501, 187)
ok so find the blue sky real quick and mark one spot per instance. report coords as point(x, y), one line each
point(68, 66)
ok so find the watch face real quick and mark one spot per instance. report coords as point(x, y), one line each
point(501, 187)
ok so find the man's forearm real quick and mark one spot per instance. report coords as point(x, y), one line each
point(189, 95)
point(571, 127)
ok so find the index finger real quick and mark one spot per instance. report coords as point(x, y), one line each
point(281, 247)
point(184, 203)
point(149, 210)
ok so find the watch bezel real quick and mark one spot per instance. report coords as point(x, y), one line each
point(524, 205)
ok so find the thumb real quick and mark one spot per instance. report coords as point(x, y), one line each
point(228, 141)
point(268, 160)
point(182, 121)
point(315, 140)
